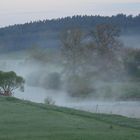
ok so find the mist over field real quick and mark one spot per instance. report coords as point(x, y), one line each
point(89, 68)
point(39, 86)
point(70, 70)
point(131, 40)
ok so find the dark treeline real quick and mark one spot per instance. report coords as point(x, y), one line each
point(46, 33)
point(85, 22)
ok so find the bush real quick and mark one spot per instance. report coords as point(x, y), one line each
point(49, 101)
point(79, 86)
point(52, 81)
point(130, 91)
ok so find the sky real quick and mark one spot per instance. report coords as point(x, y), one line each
point(21, 11)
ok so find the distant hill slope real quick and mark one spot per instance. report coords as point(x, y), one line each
point(30, 121)
point(46, 33)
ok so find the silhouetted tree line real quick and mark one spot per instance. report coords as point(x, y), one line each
point(85, 22)
point(46, 33)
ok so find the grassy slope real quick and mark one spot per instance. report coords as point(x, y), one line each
point(22, 120)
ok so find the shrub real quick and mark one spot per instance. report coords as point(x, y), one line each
point(79, 86)
point(52, 81)
point(49, 101)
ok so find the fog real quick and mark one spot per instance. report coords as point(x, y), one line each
point(34, 73)
point(131, 40)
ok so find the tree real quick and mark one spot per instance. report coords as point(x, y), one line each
point(49, 101)
point(91, 57)
point(75, 56)
point(108, 49)
point(105, 39)
point(9, 82)
point(72, 50)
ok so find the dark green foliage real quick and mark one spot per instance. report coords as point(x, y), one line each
point(9, 81)
point(85, 22)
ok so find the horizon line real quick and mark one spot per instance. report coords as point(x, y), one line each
point(49, 19)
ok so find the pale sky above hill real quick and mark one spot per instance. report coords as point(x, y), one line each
point(20, 11)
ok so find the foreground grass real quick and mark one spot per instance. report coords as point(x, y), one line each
point(22, 120)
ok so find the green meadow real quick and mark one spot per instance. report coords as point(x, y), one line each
point(24, 120)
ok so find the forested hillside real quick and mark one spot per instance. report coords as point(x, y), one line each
point(47, 33)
